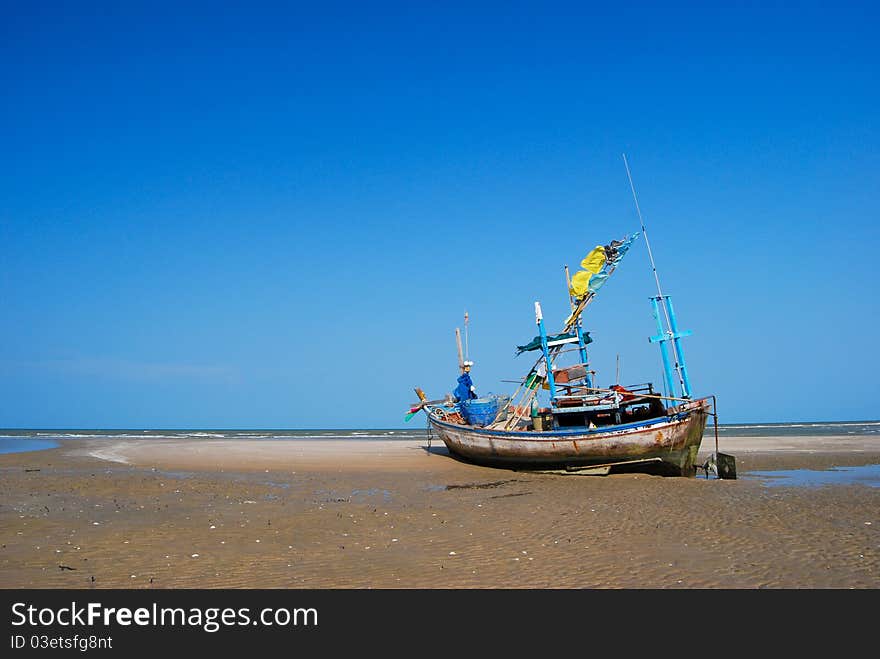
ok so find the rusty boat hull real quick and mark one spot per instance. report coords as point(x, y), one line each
point(669, 443)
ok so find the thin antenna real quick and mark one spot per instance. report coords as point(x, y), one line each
point(618, 369)
point(644, 230)
point(656, 276)
point(466, 335)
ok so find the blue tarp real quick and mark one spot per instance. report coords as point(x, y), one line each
point(535, 344)
point(465, 388)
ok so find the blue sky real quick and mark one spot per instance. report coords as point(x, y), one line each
point(275, 215)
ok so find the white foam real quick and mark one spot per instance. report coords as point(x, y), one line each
point(109, 454)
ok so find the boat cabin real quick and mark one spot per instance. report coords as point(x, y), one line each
point(578, 405)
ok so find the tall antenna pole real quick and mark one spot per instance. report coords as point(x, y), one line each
point(661, 299)
point(644, 230)
point(466, 353)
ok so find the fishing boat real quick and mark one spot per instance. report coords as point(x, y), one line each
point(584, 429)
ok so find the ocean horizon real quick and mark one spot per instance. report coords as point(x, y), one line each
point(29, 439)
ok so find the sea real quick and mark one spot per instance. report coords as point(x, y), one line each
point(13, 440)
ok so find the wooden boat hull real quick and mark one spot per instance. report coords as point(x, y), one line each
point(673, 439)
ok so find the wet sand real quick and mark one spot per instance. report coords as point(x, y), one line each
point(393, 514)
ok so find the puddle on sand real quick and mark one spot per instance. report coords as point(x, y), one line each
point(372, 492)
point(864, 475)
point(23, 445)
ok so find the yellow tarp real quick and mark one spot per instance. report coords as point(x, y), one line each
point(579, 283)
point(594, 260)
point(591, 265)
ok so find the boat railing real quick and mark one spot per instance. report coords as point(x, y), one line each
point(654, 395)
point(596, 399)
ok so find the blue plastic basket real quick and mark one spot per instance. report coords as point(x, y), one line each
point(480, 411)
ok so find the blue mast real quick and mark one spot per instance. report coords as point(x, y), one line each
point(539, 318)
point(661, 338)
point(583, 351)
point(676, 335)
point(582, 345)
point(671, 335)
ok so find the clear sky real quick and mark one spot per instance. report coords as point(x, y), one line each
point(275, 215)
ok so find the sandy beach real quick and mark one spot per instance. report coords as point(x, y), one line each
point(394, 514)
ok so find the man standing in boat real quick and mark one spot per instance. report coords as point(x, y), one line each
point(465, 389)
